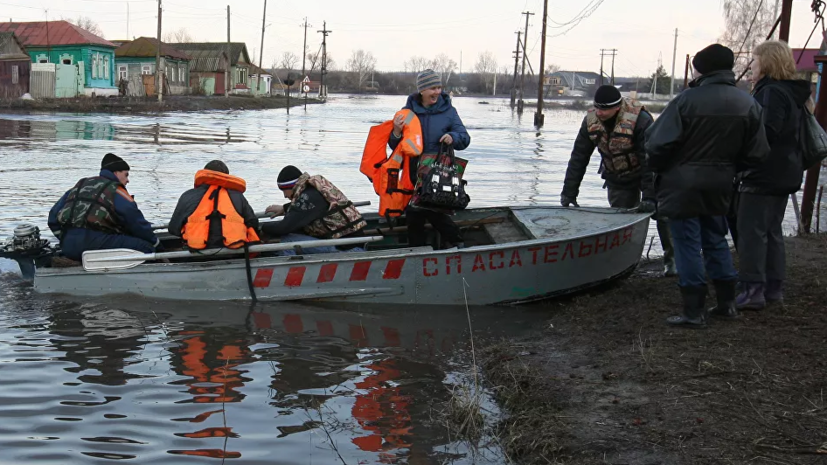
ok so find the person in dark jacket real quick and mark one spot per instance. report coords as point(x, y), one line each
point(765, 188)
point(98, 213)
point(440, 125)
point(703, 137)
point(191, 199)
point(616, 128)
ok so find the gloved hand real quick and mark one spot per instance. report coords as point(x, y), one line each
point(647, 206)
point(567, 201)
point(159, 247)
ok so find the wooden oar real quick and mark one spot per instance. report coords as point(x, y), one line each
point(121, 259)
point(260, 215)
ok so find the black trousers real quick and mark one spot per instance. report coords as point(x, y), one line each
point(416, 219)
point(761, 237)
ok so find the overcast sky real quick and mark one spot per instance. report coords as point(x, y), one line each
point(641, 30)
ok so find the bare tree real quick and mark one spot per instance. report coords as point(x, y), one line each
point(178, 36)
point(288, 60)
point(416, 64)
point(552, 68)
point(87, 23)
point(314, 62)
point(362, 63)
point(486, 66)
point(445, 66)
point(747, 23)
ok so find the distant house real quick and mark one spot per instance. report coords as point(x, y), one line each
point(262, 88)
point(136, 59)
point(15, 67)
point(83, 63)
point(211, 56)
point(573, 83)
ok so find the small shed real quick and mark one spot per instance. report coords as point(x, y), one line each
point(136, 59)
point(15, 67)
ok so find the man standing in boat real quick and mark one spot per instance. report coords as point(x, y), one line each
point(215, 212)
point(616, 127)
point(98, 213)
point(317, 210)
point(704, 137)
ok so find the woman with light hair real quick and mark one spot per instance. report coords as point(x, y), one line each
point(764, 190)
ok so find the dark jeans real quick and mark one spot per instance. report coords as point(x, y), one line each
point(707, 234)
point(416, 218)
point(760, 237)
point(77, 241)
point(629, 198)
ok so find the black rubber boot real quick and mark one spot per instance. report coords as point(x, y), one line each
point(725, 295)
point(694, 313)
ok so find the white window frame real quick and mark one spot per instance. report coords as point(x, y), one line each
point(15, 74)
point(106, 67)
point(94, 58)
point(67, 57)
point(182, 73)
point(146, 69)
point(43, 58)
point(123, 72)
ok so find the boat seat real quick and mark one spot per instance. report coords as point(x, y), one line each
point(506, 231)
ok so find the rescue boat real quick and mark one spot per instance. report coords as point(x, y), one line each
point(511, 255)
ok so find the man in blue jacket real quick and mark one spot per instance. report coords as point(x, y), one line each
point(98, 213)
point(440, 125)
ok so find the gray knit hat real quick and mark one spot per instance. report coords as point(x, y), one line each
point(427, 79)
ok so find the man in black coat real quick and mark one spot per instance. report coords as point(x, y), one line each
point(616, 128)
point(706, 134)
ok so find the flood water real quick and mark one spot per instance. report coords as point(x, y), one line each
point(124, 378)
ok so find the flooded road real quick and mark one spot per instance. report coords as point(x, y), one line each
point(96, 381)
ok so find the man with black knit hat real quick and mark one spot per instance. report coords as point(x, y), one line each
point(317, 210)
point(704, 137)
point(616, 127)
point(98, 213)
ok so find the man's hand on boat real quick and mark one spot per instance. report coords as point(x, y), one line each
point(274, 210)
point(567, 201)
point(647, 206)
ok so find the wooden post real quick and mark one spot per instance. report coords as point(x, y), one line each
point(808, 197)
point(539, 118)
point(229, 61)
point(159, 78)
point(261, 51)
point(686, 73)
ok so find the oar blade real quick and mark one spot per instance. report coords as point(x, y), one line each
point(112, 259)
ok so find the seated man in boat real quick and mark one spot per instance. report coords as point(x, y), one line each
point(317, 210)
point(215, 213)
point(616, 127)
point(98, 213)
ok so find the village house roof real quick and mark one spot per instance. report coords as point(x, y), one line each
point(147, 47)
point(53, 33)
point(207, 61)
point(807, 62)
point(11, 48)
point(237, 50)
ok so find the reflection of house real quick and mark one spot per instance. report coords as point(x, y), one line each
point(136, 59)
point(212, 54)
point(85, 62)
point(15, 66)
point(256, 87)
point(806, 65)
point(575, 83)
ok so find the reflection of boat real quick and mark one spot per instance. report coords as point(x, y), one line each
point(513, 255)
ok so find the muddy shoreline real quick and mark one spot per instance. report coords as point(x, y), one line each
point(146, 105)
point(605, 380)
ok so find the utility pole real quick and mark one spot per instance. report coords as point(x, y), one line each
point(674, 57)
point(159, 81)
point(686, 73)
point(304, 47)
point(227, 65)
point(127, 20)
point(602, 52)
point(520, 103)
point(324, 33)
point(539, 118)
point(516, 66)
point(786, 14)
point(614, 54)
point(261, 52)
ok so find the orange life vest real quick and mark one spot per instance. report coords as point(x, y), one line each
point(216, 205)
point(388, 174)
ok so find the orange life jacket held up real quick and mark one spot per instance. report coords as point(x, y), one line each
point(388, 173)
point(217, 206)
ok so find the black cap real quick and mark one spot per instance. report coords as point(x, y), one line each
point(607, 96)
point(288, 177)
point(716, 57)
point(217, 165)
point(113, 163)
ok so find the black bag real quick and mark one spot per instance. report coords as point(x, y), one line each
point(440, 184)
point(813, 143)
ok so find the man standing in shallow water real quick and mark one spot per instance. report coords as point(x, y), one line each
point(616, 127)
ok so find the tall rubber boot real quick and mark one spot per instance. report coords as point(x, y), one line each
point(725, 295)
point(694, 313)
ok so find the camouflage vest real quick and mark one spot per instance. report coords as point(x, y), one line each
point(342, 218)
point(617, 149)
point(91, 205)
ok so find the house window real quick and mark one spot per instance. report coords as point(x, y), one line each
point(106, 67)
point(15, 74)
point(588, 82)
point(94, 66)
point(122, 74)
point(173, 77)
point(66, 59)
point(42, 59)
point(146, 69)
point(182, 73)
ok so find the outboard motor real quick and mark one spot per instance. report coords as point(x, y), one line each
point(27, 248)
